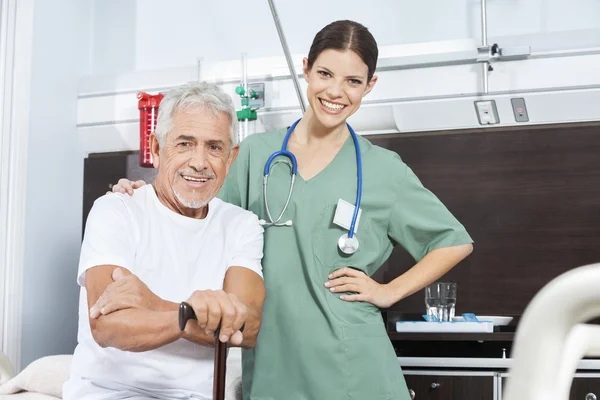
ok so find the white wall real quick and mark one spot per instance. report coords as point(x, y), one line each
point(112, 44)
point(60, 56)
point(153, 34)
point(153, 45)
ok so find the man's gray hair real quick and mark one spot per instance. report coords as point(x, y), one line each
point(193, 95)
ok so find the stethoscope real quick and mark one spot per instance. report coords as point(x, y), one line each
point(348, 243)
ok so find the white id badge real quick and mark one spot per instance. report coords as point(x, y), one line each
point(344, 213)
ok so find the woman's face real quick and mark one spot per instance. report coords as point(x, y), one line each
point(337, 82)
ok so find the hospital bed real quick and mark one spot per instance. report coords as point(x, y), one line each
point(553, 336)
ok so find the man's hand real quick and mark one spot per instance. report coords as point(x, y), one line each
point(127, 291)
point(214, 308)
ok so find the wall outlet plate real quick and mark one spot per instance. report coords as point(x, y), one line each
point(486, 111)
point(519, 109)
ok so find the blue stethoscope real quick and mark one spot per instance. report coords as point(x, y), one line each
point(348, 243)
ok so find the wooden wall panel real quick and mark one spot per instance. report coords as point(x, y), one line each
point(529, 197)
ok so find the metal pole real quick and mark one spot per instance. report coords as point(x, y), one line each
point(288, 58)
point(244, 73)
point(243, 133)
point(484, 22)
point(486, 65)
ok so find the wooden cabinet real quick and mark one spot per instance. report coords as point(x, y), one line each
point(584, 387)
point(472, 385)
point(450, 387)
point(99, 174)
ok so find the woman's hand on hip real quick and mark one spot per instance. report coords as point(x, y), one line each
point(363, 286)
point(126, 186)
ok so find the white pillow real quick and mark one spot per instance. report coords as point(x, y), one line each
point(45, 375)
point(27, 396)
point(6, 369)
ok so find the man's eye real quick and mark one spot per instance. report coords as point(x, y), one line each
point(183, 144)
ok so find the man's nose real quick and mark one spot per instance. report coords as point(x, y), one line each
point(198, 159)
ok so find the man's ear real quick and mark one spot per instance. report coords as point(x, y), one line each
point(234, 153)
point(155, 150)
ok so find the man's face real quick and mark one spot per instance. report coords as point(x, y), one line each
point(194, 159)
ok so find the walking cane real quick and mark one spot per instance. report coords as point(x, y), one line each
point(186, 312)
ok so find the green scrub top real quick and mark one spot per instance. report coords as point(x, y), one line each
point(312, 345)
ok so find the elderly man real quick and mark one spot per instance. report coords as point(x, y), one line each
point(172, 241)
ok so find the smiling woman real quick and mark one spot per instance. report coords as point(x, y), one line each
point(340, 70)
point(337, 93)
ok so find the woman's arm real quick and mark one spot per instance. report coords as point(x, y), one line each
point(431, 267)
point(435, 264)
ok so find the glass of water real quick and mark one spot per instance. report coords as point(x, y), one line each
point(440, 300)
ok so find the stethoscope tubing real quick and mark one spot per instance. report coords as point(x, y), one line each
point(294, 170)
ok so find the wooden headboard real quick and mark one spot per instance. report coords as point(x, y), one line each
point(529, 197)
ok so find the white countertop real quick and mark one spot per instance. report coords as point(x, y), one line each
point(503, 363)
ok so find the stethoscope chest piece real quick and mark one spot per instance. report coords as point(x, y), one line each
point(348, 245)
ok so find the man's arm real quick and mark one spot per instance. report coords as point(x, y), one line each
point(128, 292)
point(243, 278)
point(109, 241)
point(249, 287)
point(130, 329)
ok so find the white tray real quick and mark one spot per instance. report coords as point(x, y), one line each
point(497, 320)
point(424, 326)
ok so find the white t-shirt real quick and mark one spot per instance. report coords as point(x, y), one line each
point(173, 255)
